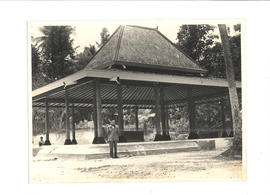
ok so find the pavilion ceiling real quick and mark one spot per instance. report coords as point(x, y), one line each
point(132, 95)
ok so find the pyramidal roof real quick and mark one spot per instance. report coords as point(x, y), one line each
point(135, 46)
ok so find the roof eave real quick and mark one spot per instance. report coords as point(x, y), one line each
point(162, 67)
point(128, 75)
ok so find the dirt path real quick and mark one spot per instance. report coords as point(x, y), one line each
point(186, 166)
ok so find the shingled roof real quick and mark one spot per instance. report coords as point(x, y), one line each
point(135, 46)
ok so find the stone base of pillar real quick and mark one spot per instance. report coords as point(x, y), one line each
point(122, 138)
point(99, 140)
point(74, 141)
point(193, 135)
point(67, 142)
point(47, 143)
point(158, 137)
point(231, 134)
point(224, 134)
point(166, 137)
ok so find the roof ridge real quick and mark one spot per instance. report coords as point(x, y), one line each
point(143, 27)
point(119, 42)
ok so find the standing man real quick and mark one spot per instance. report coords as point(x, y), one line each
point(113, 138)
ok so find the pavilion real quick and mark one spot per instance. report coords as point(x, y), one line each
point(140, 68)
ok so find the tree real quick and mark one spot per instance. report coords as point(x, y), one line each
point(194, 40)
point(236, 116)
point(36, 62)
point(56, 49)
point(201, 44)
point(104, 37)
point(83, 58)
point(38, 79)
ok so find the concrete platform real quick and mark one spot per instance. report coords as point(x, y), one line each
point(99, 151)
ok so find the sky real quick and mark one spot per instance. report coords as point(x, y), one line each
point(88, 32)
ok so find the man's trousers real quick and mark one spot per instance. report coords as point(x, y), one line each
point(113, 149)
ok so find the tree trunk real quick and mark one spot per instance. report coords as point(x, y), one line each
point(236, 116)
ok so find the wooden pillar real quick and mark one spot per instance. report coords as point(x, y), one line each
point(67, 141)
point(100, 137)
point(95, 111)
point(122, 137)
point(74, 141)
point(223, 119)
point(191, 112)
point(158, 136)
point(136, 118)
point(120, 108)
point(165, 134)
point(167, 122)
point(47, 141)
point(166, 119)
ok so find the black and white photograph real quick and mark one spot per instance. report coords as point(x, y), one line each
point(136, 100)
point(135, 97)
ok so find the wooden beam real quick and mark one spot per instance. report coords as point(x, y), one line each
point(163, 122)
point(157, 110)
point(167, 120)
point(47, 129)
point(67, 141)
point(94, 101)
point(136, 118)
point(74, 141)
point(99, 108)
point(120, 108)
point(191, 113)
point(86, 101)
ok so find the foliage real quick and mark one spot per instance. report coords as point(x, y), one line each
point(194, 40)
point(104, 37)
point(36, 62)
point(179, 119)
point(56, 49)
point(202, 45)
point(83, 58)
point(208, 115)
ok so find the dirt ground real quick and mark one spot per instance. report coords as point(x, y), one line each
point(184, 166)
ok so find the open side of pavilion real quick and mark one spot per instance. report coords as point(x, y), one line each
point(139, 68)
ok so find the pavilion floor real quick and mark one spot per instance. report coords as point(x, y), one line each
point(91, 151)
point(202, 165)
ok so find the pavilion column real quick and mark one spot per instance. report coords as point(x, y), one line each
point(100, 137)
point(94, 114)
point(191, 112)
point(165, 133)
point(47, 141)
point(74, 141)
point(167, 122)
point(136, 118)
point(223, 119)
point(158, 136)
point(67, 141)
point(122, 137)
